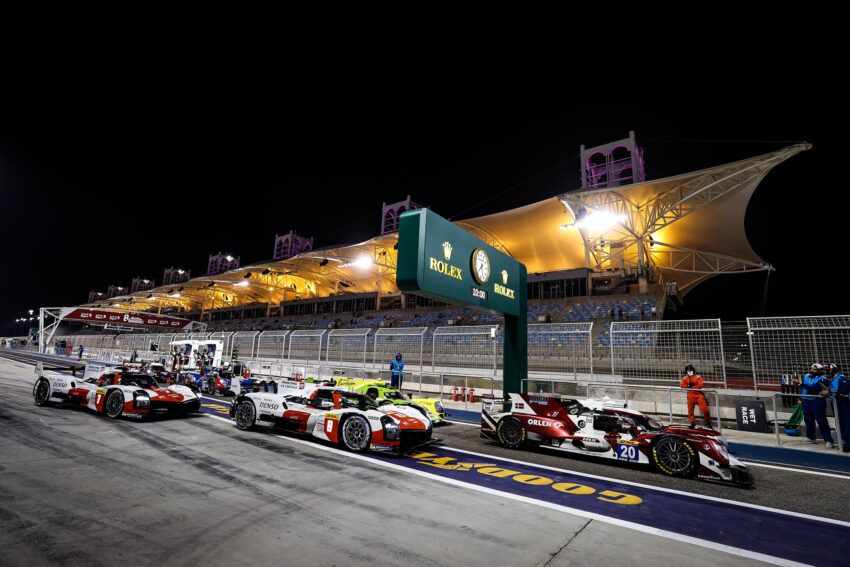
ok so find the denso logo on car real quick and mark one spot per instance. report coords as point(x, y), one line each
point(268, 405)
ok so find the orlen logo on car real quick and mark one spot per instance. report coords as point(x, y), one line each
point(544, 423)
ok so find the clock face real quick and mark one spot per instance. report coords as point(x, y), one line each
point(480, 266)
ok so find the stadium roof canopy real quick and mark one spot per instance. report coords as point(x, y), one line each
point(685, 228)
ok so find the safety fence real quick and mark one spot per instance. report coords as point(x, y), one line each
point(748, 356)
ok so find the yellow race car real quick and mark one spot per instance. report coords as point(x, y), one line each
point(379, 391)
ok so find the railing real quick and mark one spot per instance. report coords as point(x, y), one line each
point(834, 411)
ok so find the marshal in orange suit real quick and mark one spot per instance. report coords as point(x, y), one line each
point(693, 382)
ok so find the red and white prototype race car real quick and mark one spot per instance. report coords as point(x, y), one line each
point(115, 392)
point(603, 428)
point(352, 419)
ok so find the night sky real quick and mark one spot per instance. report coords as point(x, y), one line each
point(100, 185)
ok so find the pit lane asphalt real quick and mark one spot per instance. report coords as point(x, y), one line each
point(76, 488)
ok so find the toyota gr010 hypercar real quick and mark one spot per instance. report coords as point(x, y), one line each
point(351, 419)
point(115, 392)
point(602, 428)
point(379, 391)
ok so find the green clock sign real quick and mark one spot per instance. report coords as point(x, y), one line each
point(440, 260)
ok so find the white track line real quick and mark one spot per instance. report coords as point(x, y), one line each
point(790, 469)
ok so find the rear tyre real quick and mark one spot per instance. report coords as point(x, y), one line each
point(41, 392)
point(512, 433)
point(211, 386)
point(246, 415)
point(674, 457)
point(114, 404)
point(356, 433)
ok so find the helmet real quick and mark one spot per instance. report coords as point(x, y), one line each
point(817, 366)
point(690, 367)
point(398, 355)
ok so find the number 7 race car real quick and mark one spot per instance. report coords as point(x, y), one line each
point(115, 392)
point(602, 428)
point(352, 419)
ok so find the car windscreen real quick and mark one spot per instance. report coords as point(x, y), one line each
point(359, 401)
point(394, 395)
point(646, 423)
point(138, 380)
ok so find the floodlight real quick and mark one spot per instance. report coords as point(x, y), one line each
point(30, 311)
point(243, 283)
point(149, 297)
point(116, 305)
point(248, 275)
point(323, 262)
point(181, 289)
point(211, 284)
point(229, 258)
point(266, 272)
point(598, 221)
point(175, 294)
point(363, 262)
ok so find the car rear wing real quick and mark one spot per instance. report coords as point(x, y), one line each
point(94, 371)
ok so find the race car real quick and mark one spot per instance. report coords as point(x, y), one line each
point(115, 392)
point(603, 428)
point(379, 391)
point(351, 419)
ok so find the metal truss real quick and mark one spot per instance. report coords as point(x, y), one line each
point(48, 321)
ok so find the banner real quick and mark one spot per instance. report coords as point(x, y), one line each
point(101, 317)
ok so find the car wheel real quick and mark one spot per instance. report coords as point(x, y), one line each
point(211, 387)
point(356, 434)
point(246, 415)
point(512, 433)
point(674, 457)
point(41, 392)
point(115, 404)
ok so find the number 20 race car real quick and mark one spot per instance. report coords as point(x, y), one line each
point(115, 392)
point(605, 429)
point(352, 419)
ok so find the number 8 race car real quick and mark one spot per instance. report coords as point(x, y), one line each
point(605, 429)
point(115, 392)
point(352, 419)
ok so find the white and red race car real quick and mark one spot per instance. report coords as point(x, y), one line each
point(115, 392)
point(338, 415)
point(603, 428)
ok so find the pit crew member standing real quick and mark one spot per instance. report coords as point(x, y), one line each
point(693, 382)
point(396, 367)
point(840, 389)
point(814, 409)
point(81, 353)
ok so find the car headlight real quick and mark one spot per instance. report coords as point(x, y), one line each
point(141, 400)
point(720, 448)
point(439, 407)
point(391, 429)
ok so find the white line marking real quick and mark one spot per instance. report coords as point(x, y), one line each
point(791, 469)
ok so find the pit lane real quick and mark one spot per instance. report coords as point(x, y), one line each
point(215, 464)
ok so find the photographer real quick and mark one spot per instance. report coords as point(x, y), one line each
point(693, 382)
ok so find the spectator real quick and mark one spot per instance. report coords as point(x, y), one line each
point(840, 389)
point(654, 313)
point(693, 382)
point(814, 408)
point(642, 314)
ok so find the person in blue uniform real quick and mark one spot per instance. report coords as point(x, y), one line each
point(396, 367)
point(814, 409)
point(839, 387)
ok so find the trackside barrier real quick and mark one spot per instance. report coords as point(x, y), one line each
point(834, 411)
point(408, 340)
point(464, 347)
point(347, 345)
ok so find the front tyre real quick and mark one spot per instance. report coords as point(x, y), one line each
point(211, 386)
point(512, 433)
point(246, 415)
point(674, 457)
point(356, 433)
point(115, 404)
point(41, 392)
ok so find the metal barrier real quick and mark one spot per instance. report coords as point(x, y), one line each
point(348, 345)
point(306, 345)
point(653, 351)
point(246, 342)
point(789, 345)
point(271, 344)
point(560, 348)
point(834, 411)
point(410, 341)
point(464, 347)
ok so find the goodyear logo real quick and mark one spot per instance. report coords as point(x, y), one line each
point(445, 268)
point(502, 290)
point(491, 469)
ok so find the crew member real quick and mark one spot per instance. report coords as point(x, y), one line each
point(81, 353)
point(840, 389)
point(396, 367)
point(814, 408)
point(693, 382)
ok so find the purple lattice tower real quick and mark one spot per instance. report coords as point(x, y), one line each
point(289, 245)
point(612, 165)
point(390, 214)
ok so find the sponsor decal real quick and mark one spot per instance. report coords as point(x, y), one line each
point(447, 250)
point(538, 399)
point(493, 470)
point(540, 422)
point(519, 405)
point(374, 418)
point(60, 384)
point(590, 440)
point(626, 442)
point(332, 416)
point(269, 406)
point(504, 277)
point(445, 268)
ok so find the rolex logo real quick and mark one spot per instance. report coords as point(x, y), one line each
point(447, 250)
point(504, 277)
